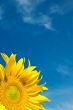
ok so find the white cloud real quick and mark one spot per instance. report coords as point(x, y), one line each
point(62, 8)
point(25, 6)
point(61, 99)
point(66, 106)
point(42, 20)
point(63, 106)
point(65, 70)
point(27, 9)
point(56, 9)
point(28, 6)
point(62, 91)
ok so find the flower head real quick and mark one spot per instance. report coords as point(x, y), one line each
point(19, 86)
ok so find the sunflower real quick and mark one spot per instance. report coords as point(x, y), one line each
point(19, 86)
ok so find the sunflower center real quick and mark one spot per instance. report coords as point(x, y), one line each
point(13, 92)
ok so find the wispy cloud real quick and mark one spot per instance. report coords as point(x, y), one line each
point(66, 106)
point(63, 106)
point(29, 14)
point(28, 6)
point(65, 70)
point(61, 99)
point(28, 10)
point(56, 9)
point(42, 20)
point(62, 8)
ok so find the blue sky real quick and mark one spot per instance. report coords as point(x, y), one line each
point(42, 31)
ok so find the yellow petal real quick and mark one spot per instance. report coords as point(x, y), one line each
point(27, 72)
point(10, 64)
point(20, 65)
point(1, 73)
point(5, 57)
point(42, 108)
point(35, 89)
point(39, 98)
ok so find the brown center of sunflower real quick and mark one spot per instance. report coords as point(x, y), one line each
point(13, 92)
